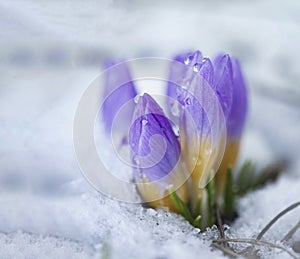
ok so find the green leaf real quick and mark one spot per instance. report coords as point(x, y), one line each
point(180, 205)
point(245, 178)
point(211, 201)
point(269, 173)
point(229, 199)
point(249, 179)
point(196, 222)
point(198, 206)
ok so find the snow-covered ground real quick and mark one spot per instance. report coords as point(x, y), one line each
point(49, 53)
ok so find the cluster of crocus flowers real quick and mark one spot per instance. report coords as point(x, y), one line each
point(207, 99)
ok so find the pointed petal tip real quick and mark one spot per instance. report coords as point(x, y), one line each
point(189, 57)
point(207, 70)
point(146, 105)
point(223, 59)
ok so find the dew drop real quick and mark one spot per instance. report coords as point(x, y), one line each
point(144, 122)
point(188, 101)
point(175, 109)
point(187, 60)
point(137, 98)
point(176, 130)
point(184, 86)
point(196, 67)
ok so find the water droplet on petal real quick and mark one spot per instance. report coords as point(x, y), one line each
point(184, 86)
point(188, 101)
point(175, 109)
point(196, 67)
point(176, 129)
point(137, 98)
point(144, 122)
point(187, 60)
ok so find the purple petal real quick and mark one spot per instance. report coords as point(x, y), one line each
point(223, 81)
point(194, 109)
point(181, 57)
point(203, 129)
point(182, 71)
point(194, 59)
point(154, 146)
point(185, 75)
point(207, 71)
point(237, 116)
point(173, 73)
point(119, 89)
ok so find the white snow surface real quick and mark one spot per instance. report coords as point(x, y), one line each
point(49, 53)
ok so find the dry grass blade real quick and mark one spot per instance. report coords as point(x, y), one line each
point(226, 250)
point(270, 224)
point(254, 242)
point(219, 221)
point(289, 235)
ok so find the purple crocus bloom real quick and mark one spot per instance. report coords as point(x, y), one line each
point(201, 120)
point(154, 146)
point(187, 58)
point(223, 82)
point(210, 101)
point(225, 77)
point(156, 155)
point(218, 75)
point(237, 115)
point(119, 91)
point(181, 86)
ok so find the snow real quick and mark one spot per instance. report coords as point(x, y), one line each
point(50, 51)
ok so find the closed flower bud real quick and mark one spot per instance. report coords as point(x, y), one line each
point(156, 155)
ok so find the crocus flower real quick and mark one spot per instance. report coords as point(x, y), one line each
point(202, 123)
point(156, 153)
point(225, 78)
point(119, 93)
point(235, 124)
point(222, 82)
point(210, 102)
